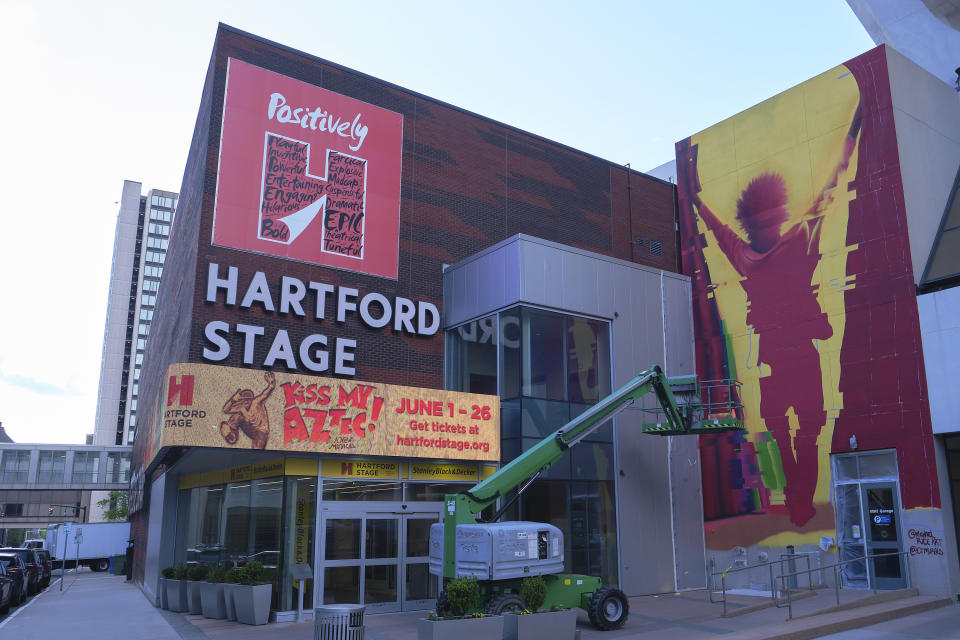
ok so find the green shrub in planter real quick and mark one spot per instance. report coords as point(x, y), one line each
point(180, 572)
point(230, 579)
point(252, 573)
point(197, 573)
point(462, 595)
point(251, 598)
point(215, 574)
point(167, 572)
point(533, 590)
point(213, 602)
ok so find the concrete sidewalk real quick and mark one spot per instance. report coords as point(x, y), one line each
point(96, 605)
point(677, 616)
point(91, 605)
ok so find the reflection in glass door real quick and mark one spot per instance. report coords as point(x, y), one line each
point(420, 586)
point(378, 559)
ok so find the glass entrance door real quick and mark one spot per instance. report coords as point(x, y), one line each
point(379, 559)
point(868, 519)
point(882, 534)
point(420, 586)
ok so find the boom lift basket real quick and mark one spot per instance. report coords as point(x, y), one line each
point(710, 407)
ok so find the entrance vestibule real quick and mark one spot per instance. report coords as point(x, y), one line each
point(867, 499)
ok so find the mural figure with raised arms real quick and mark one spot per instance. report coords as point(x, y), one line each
point(777, 268)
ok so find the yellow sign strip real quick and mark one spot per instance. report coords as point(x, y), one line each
point(425, 471)
point(360, 469)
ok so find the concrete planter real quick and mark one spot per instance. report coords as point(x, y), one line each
point(212, 603)
point(556, 625)
point(229, 609)
point(252, 603)
point(162, 594)
point(177, 599)
point(193, 596)
point(485, 628)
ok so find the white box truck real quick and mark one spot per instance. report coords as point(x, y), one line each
point(98, 542)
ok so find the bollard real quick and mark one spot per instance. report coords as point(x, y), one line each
point(792, 566)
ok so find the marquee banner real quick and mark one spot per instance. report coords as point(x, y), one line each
point(226, 407)
point(307, 174)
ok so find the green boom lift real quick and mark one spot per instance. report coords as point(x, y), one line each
point(501, 554)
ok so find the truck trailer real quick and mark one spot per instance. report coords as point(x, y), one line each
point(88, 544)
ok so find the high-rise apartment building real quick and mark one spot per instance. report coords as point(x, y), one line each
point(139, 251)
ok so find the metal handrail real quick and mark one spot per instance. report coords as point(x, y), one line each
point(769, 564)
point(836, 578)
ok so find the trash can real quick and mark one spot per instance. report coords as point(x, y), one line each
point(338, 622)
point(118, 564)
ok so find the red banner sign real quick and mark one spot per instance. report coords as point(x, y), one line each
point(307, 174)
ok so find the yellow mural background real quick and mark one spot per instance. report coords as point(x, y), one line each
point(799, 134)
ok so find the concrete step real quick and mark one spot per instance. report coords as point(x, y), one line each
point(836, 621)
point(866, 601)
point(768, 603)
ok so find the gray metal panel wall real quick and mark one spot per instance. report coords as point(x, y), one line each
point(660, 534)
point(151, 572)
point(688, 538)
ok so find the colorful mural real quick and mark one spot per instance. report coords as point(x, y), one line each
point(794, 233)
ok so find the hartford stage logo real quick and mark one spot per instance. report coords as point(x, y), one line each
point(307, 174)
point(292, 198)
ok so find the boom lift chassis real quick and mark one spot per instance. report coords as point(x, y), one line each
point(682, 407)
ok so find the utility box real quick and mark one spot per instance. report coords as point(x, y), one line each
point(501, 550)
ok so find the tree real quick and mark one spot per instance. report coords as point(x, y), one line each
point(115, 506)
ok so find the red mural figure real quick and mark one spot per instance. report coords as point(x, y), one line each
point(777, 268)
point(248, 414)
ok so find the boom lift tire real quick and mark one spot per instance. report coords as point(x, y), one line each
point(608, 608)
point(101, 564)
point(505, 603)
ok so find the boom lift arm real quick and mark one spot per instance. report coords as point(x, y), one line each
point(523, 470)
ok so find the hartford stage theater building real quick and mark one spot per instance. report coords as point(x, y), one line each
point(373, 298)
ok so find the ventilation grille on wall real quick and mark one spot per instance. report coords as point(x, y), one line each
point(656, 248)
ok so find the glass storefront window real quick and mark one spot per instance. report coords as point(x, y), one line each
point(432, 491)
point(543, 363)
point(588, 360)
point(552, 367)
point(232, 524)
point(473, 349)
point(511, 353)
point(351, 491)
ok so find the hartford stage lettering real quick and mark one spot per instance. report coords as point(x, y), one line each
point(318, 301)
point(292, 198)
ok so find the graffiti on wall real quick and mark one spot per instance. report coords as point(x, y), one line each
point(800, 266)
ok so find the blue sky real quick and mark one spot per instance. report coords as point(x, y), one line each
point(95, 93)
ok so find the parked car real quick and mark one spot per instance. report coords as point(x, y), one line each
point(6, 590)
point(33, 564)
point(15, 569)
point(47, 564)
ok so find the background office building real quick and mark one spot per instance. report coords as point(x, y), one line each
point(139, 252)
